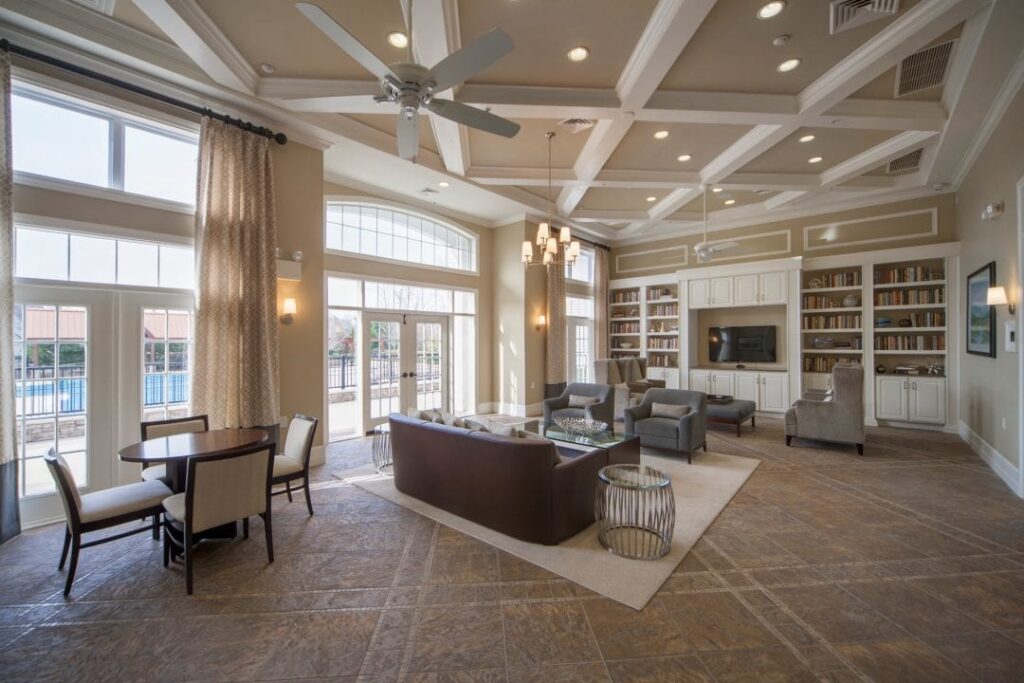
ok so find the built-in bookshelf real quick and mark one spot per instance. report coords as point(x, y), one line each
point(831, 321)
point(624, 323)
point(661, 340)
point(909, 316)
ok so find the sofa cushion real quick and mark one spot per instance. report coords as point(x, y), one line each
point(668, 410)
point(582, 401)
point(665, 427)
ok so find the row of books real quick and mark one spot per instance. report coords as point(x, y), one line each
point(919, 319)
point(825, 363)
point(663, 343)
point(836, 321)
point(820, 303)
point(851, 279)
point(631, 297)
point(908, 342)
point(910, 297)
point(663, 309)
point(661, 293)
point(661, 360)
point(891, 276)
point(625, 328)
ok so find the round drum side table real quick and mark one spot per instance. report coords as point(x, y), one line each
point(382, 448)
point(635, 511)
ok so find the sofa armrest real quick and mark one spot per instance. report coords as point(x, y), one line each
point(603, 410)
point(635, 414)
point(573, 483)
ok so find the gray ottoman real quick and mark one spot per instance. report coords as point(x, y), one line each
point(735, 412)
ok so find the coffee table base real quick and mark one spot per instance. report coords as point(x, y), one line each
point(636, 523)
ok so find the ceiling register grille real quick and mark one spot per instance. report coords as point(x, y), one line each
point(849, 14)
point(924, 69)
point(576, 124)
point(905, 164)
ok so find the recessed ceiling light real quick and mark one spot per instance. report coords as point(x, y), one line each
point(652, 199)
point(788, 65)
point(807, 138)
point(661, 135)
point(814, 160)
point(443, 183)
point(771, 9)
point(716, 189)
point(267, 68)
point(398, 39)
point(578, 53)
point(730, 202)
point(683, 157)
point(779, 41)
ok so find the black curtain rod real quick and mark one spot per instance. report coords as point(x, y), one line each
point(7, 46)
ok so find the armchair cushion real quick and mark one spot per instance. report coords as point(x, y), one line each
point(664, 427)
point(669, 410)
point(582, 401)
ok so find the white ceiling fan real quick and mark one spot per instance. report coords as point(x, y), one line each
point(703, 250)
point(411, 85)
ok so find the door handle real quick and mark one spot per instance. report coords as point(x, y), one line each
point(405, 374)
point(412, 374)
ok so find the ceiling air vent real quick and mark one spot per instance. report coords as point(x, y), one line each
point(848, 14)
point(924, 69)
point(576, 124)
point(905, 164)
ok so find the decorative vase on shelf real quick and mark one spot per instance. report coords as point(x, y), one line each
point(851, 301)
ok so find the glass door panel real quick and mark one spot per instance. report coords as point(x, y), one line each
point(383, 367)
point(580, 349)
point(344, 405)
point(431, 357)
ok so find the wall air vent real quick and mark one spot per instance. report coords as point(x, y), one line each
point(848, 14)
point(103, 6)
point(905, 164)
point(576, 124)
point(924, 69)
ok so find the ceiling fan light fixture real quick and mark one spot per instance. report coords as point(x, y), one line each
point(578, 53)
point(683, 157)
point(807, 138)
point(661, 135)
point(771, 9)
point(788, 65)
point(398, 39)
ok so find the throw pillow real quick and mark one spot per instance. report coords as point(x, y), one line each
point(502, 430)
point(452, 420)
point(416, 414)
point(668, 410)
point(475, 426)
point(581, 401)
point(436, 417)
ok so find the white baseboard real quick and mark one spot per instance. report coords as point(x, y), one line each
point(42, 522)
point(999, 464)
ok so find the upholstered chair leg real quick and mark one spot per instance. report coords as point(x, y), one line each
point(309, 501)
point(860, 449)
point(167, 548)
point(753, 422)
point(288, 488)
point(156, 527)
point(188, 563)
point(245, 528)
point(789, 439)
point(76, 545)
point(270, 535)
point(67, 544)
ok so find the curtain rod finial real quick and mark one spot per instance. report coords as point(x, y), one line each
point(280, 138)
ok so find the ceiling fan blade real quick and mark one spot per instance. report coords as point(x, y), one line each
point(470, 60)
point(408, 137)
point(339, 104)
point(407, 14)
point(473, 117)
point(343, 39)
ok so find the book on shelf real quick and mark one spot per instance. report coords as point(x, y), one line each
point(911, 297)
point(910, 342)
point(822, 302)
point(834, 321)
point(830, 280)
point(918, 319)
point(663, 310)
point(658, 293)
point(907, 274)
point(826, 363)
point(625, 328)
point(630, 297)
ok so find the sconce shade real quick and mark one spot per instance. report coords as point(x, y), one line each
point(289, 307)
point(542, 320)
point(997, 296)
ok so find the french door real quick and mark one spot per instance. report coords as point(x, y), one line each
point(580, 349)
point(405, 364)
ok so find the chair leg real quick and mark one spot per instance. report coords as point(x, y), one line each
point(167, 548)
point(156, 527)
point(67, 544)
point(753, 422)
point(789, 439)
point(76, 545)
point(188, 563)
point(309, 501)
point(245, 528)
point(860, 449)
point(270, 535)
point(288, 488)
point(737, 429)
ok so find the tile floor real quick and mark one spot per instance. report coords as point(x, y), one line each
point(904, 565)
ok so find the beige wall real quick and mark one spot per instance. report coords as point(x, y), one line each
point(988, 386)
point(742, 316)
point(756, 245)
point(536, 303)
point(510, 320)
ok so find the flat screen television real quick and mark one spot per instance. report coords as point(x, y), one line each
point(753, 344)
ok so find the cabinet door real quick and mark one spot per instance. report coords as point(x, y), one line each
point(721, 291)
point(700, 380)
point(928, 400)
point(746, 387)
point(723, 383)
point(745, 290)
point(891, 398)
point(772, 287)
point(699, 294)
point(774, 394)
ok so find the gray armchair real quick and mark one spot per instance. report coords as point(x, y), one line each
point(836, 416)
point(684, 434)
point(559, 405)
point(628, 376)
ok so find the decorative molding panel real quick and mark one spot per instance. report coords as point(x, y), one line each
point(893, 227)
point(756, 246)
point(644, 261)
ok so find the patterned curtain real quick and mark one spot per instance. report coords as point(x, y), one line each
point(554, 367)
point(235, 374)
point(10, 521)
point(600, 303)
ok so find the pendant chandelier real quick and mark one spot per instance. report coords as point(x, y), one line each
point(557, 246)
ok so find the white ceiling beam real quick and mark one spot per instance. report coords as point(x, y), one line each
point(782, 198)
point(191, 29)
point(882, 153)
point(608, 215)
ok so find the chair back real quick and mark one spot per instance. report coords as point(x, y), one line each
point(299, 442)
point(599, 391)
point(227, 487)
point(179, 425)
point(66, 486)
point(848, 385)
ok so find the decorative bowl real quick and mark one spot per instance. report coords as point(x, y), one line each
point(626, 345)
point(583, 426)
point(851, 301)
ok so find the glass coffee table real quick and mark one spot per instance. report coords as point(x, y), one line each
point(623, 449)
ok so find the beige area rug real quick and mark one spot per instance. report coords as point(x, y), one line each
point(702, 490)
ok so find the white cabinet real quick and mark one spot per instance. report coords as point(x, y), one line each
point(769, 390)
point(700, 380)
point(747, 385)
point(721, 291)
point(669, 375)
point(773, 392)
point(745, 290)
point(772, 288)
point(699, 294)
point(911, 399)
point(723, 382)
point(927, 400)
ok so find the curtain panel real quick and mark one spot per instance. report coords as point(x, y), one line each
point(600, 303)
point(10, 521)
point(555, 375)
point(235, 373)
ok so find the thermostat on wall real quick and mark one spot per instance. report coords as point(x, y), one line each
point(1011, 336)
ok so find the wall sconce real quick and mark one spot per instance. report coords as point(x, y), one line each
point(542, 320)
point(997, 297)
point(288, 311)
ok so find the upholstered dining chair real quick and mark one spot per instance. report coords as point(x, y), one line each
point(293, 464)
point(88, 512)
point(157, 428)
point(219, 489)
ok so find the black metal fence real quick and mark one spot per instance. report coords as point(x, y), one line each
point(342, 372)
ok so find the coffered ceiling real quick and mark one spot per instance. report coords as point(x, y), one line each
point(675, 94)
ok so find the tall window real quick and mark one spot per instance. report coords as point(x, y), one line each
point(383, 232)
point(70, 140)
point(166, 361)
point(583, 270)
point(579, 314)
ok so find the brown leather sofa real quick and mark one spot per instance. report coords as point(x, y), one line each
point(520, 487)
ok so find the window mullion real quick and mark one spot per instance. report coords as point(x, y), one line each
point(117, 154)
